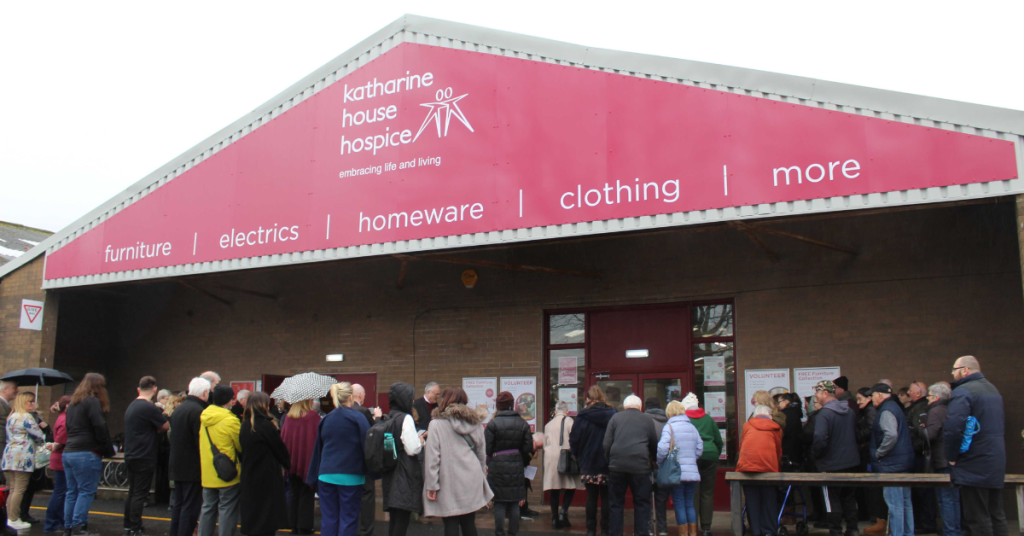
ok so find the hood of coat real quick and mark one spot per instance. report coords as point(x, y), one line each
point(400, 396)
point(599, 414)
point(463, 418)
point(838, 406)
point(658, 414)
point(764, 424)
point(214, 415)
point(695, 413)
point(793, 411)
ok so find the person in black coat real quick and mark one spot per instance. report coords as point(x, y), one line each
point(184, 467)
point(403, 486)
point(586, 441)
point(870, 499)
point(792, 446)
point(980, 471)
point(424, 405)
point(509, 445)
point(264, 457)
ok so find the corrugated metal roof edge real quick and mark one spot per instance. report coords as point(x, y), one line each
point(843, 95)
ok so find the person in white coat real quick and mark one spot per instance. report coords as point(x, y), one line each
point(556, 439)
point(686, 438)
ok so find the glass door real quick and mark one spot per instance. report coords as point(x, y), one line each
point(666, 387)
point(616, 387)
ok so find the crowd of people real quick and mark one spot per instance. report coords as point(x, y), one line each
point(952, 428)
point(241, 458)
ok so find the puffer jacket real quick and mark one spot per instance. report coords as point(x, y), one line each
point(402, 487)
point(760, 446)
point(587, 438)
point(509, 444)
point(224, 428)
point(689, 443)
point(984, 463)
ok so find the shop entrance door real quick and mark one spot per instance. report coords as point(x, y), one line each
point(663, 386)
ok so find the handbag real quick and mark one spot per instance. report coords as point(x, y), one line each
point(669, 474)
point(567, 463)
point(42, 458)
point(225, 466)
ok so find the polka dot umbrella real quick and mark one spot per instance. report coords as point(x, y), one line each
point(305, 386)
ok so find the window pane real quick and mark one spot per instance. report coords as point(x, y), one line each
point(567, 329)
point(616, 391)
point(711, 320)
point(566, 389)
point(708, 355)
point(664, 390)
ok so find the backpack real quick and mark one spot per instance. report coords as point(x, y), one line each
point(380, 449)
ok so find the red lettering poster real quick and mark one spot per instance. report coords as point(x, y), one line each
point(774, 381)
point(524, 392)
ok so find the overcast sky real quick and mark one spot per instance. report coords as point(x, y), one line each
point(96, 95)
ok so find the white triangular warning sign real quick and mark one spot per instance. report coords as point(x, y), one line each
point(31, 314)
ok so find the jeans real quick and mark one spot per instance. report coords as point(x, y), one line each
point(55, 508)
point(187, 502)
point(705, 499)
point(682, 501)
point(140, 476)
point(339, 509)
point(661, 494)
point(220, 507)
point(901, 511)
point(593, 492)
point(983, 513)
point(763, 509)
point(465, 522)
point(510, 510)
point(82, 471)
point(949, 509)
point(300, 504)
point(640, 485)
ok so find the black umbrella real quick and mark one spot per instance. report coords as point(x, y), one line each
point(37, 376)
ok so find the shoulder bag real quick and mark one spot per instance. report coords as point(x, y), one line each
point(567, 464)
point(669, 474)
point(225, 466)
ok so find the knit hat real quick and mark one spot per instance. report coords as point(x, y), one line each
point(690, 402)
point(842, 382)
point(222, 394)
point(504, 401)
point(652, 402)
point(825, 385)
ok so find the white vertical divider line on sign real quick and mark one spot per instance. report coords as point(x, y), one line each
point(520, 203)
point(328, 226)
point(195, 240)
point(725, 179)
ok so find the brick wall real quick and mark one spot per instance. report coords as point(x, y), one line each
point(1020, 230)
point(925, 287)
point(24, 348)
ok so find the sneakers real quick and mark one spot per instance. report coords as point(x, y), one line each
point(18, 524)
point(81, 531)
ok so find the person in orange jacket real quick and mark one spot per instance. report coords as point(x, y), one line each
point(760, 450)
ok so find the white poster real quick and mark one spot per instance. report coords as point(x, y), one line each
point(714, 405)
point(714, 371)
point(524, 392)
point(804, 380)
point(481, 392)
point(569, 395)
point(723, 455)
point(31, 315)
point(774, 381)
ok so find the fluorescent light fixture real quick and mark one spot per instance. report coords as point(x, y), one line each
point(335, 357)
point(635, 354)
point(574, 333)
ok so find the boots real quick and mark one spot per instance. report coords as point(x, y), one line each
point(563, 518)
point(880, 528)
point(691, 528)
point(684, 530)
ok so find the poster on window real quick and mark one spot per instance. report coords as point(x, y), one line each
point(570, 396)
point(714, 371)
point(775, 381)
point(804, 380)
point(524, 395)
point(714, 406)
point(481, 392)
point(567, 367)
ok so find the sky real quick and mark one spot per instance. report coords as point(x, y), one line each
point(97, 95)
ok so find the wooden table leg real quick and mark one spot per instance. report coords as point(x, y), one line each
point(1020, 508)
point(736, 505)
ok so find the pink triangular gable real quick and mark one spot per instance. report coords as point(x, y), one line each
point(501, 143)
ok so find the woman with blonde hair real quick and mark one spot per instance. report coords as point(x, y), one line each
point(680, 433)
point(299, 435)
point(338, 468)
point(586, 441)
point(764, 398)
point(24, 438)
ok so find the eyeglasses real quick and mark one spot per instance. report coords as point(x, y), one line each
point(958, 368)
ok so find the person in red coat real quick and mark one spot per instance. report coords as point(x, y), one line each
point(760, 450)
point(299, 435)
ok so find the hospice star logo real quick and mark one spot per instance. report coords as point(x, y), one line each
point(447, 106)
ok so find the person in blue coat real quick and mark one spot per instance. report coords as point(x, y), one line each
point(684, 435)
point(586, 441)
point(892, 452)
point(980, 469)
point(338, 468)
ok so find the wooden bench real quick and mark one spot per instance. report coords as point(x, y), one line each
point(861, 480)
point(1018, 482)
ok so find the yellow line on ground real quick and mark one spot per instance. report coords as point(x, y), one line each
point(122, 515)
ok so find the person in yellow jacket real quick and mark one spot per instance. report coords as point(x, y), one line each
point(220, 498)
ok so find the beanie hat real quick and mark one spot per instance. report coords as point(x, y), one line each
point(504, 401)
point(652, 402)
point(222, 394)
point(690, 402)
point(842, 382)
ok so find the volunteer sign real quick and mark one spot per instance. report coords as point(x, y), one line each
point(425, 142)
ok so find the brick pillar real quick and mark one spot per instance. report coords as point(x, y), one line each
point(23, 348)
